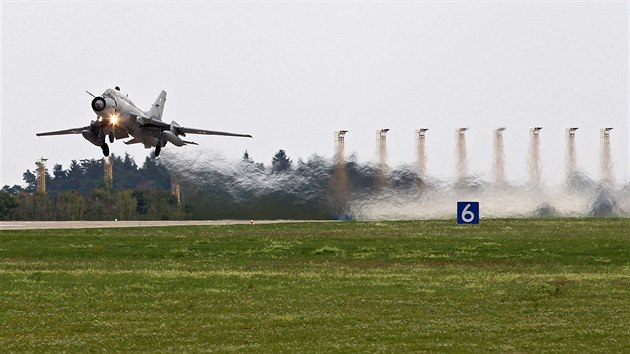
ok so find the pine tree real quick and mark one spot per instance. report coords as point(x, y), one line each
point(31, 181)
point(247, 158)
point(280, 162)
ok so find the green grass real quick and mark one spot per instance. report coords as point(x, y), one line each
point(502, 286)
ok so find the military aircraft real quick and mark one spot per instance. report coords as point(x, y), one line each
point(118, 118)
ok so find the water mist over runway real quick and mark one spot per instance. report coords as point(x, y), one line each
point(341, 187)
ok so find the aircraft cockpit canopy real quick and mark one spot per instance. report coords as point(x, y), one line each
point(112, 93)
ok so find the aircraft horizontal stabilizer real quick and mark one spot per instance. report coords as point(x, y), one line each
point(133, 141)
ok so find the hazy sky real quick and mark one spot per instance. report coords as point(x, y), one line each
point(292, 73)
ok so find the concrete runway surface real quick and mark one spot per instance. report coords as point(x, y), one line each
point(32, 225)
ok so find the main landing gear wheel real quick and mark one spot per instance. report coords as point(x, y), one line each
point(158, 148)
point(105, 149)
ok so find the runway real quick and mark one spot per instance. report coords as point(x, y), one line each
point(34, 225)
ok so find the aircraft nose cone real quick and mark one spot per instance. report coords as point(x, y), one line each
point(98, 104)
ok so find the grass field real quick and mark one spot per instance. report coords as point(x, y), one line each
point(502, 286)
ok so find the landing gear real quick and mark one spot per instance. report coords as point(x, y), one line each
point(105, 149)
point(158, 146)
point(111, 137)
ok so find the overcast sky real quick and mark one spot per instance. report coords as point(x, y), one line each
point(292, 73)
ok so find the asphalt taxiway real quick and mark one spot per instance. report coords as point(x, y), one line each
point(33, 225)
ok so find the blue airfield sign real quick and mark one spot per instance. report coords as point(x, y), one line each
point(468, 212)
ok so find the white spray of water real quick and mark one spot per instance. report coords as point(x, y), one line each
point(571, 160)
point(533, 161)
point(499, 158)
point(421, 161)
point(339, 186)
point(607, 179)
point(381, 146)
point(462, 159)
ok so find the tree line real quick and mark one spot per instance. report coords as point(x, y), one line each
point(80, 192)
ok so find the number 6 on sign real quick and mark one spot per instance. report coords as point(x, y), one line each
point(468, 212)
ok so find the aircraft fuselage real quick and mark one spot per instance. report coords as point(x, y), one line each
point(117, 117)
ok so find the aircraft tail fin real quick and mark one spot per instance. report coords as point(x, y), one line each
point(158, 106)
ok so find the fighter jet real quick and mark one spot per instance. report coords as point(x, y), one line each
point(118, 118)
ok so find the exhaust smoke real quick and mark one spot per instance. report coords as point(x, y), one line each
point(342, 187)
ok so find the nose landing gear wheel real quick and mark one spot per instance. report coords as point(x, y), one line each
point(111, 137)
point(158, 148)
point(105, 149)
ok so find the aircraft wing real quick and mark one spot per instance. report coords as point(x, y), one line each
point(63, 132)
point(209, 132)
point(149, 122)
